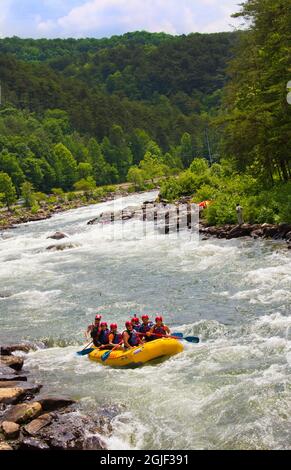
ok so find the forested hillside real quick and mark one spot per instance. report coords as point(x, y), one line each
point(136, 107)
point(74, 109)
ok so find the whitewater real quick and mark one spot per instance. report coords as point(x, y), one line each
point(230, 391)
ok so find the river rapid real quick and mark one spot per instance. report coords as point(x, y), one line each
point(230, 391)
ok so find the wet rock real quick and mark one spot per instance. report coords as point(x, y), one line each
point(26, 386)
point(72, 431)
point(58, 236)
point(7, 374)
point(5, 446)
point(240, 231)
point(8, 349)
point(32, 443)
point(10, 430)
point(51, 403)
point(22, 413)
point(14, 362)
point(62, 246)
point(10, 395)
point(37, 424)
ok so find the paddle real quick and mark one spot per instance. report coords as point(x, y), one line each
point(85, 351)
point(107, 353)
point(190, 339)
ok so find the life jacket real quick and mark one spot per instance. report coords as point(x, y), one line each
point(133, 339)
point(103, 336)
point(95, 330)
point(160, 330)
point(137, 327)
point(144, 328)
point(117, 337)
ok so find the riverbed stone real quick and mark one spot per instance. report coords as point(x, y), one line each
point(10, 395)
point(10, 430)
point(32, 443)
point(8, 349)
point(62, 246)
point(8, 374)
point(5, 446)
point(58, 236)
point(14, 362)
point(52, 402)
point(37, 424)
point(22, 413)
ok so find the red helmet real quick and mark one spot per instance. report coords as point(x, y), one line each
point(145, 317)
point(113, 326)
point(135, 319)
point(103, 323)
point(128, 323)
point(159, 318)
point(98, 317)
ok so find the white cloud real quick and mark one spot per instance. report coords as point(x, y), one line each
point(105, 17)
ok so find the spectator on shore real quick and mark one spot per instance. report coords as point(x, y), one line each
point(239, 211)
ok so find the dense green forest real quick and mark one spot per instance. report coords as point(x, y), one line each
point(76, 113)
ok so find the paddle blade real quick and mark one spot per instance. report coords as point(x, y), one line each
point(192, 339)
point(105, 356)
point(85, 351)
point(178, 335)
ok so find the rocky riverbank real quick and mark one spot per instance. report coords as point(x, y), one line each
point(266, 231)
point(20, 215)
point(33, 419)
point(174, 217)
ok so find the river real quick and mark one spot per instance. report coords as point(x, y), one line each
point(230, 391)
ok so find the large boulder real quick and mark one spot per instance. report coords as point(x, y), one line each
point(22, 413)
point(51, 402)
point(71, 431)
point(10, 430)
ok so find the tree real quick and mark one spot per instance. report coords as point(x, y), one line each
point(186, 149)
point(68, 166)
point(136, 176)
point(27, 194)
point(7, 189)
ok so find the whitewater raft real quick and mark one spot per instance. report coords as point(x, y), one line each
point(139, 355)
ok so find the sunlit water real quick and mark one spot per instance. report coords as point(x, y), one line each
point(231, 391)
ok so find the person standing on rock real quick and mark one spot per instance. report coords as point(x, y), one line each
point(239, 212)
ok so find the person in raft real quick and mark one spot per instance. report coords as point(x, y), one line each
point(100, 336)
point(114, 338)
point(130, 337)
point(94, 326)
point(146, 325)
point(135, 323)
point(159, 329)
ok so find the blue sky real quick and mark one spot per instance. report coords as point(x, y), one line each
point(99, 18)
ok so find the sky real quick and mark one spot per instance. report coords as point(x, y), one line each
point(104, 18)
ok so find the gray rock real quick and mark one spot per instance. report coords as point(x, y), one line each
point(58, 236)
point(32, 443)
point(8, 349)
point(51, 403)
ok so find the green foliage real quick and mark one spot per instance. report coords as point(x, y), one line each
point(28, 194)
point(7, 190)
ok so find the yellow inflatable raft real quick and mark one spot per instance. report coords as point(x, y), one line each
point(139, 355)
